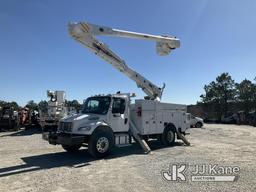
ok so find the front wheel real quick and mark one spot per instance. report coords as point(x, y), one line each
point(101, 143)
point(71, 148)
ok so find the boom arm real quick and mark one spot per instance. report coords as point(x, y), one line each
point(85, 33)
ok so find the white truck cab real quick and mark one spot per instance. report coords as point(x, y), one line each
point(106, 121)
point(109, 110)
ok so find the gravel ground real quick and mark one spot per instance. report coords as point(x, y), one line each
point(27, 163)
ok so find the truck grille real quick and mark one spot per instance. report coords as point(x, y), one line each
point(65, 126)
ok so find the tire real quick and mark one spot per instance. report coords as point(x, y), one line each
point(198, 125)
point(168, 136)
point(71, 148)
point(101, 143)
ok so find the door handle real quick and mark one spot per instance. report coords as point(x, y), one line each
point(116, 115)
point(125, 121)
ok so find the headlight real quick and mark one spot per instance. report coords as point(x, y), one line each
point(84, 128)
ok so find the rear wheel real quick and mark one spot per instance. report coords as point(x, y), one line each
point(101, 143)
point(168, 136)
point(71, 148)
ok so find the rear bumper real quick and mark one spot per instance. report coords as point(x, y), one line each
point(63, 138)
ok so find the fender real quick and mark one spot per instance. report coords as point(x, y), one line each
point(89, 129)
point(103, 128)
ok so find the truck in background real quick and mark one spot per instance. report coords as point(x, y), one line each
point(56, 109)
point(196, 122)
point(8, 119)
point(28, 118)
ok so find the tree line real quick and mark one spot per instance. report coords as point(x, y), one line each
point(42, 105)
point(224, 95)
point(221, 96)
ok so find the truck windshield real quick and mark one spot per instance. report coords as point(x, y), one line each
point(97, 105)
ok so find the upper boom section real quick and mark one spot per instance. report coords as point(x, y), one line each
point(85, 33)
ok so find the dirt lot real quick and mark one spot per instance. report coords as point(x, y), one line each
point(28, 163)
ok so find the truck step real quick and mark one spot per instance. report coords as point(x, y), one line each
point(122, 139)
point(123, 145)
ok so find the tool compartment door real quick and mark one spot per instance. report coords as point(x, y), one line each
point(159, 128)
point(148, 122)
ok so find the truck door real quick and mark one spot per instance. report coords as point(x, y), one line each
point(119, 116)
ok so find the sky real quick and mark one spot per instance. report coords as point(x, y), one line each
point(37, 53)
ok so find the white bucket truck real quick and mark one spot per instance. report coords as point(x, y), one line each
point(112, 120)
point(56, 109)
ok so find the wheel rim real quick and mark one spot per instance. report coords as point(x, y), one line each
point(170, 136)
point(102, 144)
